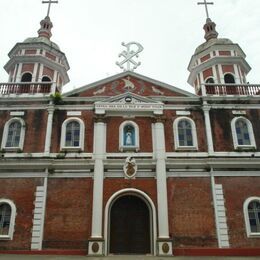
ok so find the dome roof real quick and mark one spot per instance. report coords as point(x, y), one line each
point(42, 40)
point(211, 42)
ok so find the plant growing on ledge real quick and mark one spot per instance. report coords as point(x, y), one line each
point(56, 98)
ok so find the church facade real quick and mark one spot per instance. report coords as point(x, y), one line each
point(128, 164)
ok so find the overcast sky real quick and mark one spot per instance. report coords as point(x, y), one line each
point(90, 33)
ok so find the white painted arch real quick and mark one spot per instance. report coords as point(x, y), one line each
point(142, 195)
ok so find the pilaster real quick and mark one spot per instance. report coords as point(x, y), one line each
point(206, 110)
point(96, 243)
point(164, 243)
point(48, 131)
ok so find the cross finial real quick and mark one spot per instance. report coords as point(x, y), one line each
point(206, 6)
point(49, 7)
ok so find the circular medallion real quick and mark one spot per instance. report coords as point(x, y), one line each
point(165, 248)
point(95, 247)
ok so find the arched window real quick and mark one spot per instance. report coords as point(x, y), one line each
point(210, 80)
point(46, 79)
point(13, 136)
point(7, 219)
point(72, 136)
point(128, 136)
point(229, 78)
point(242, 133)
point(252, 216)
point(185, 134)
point(27, 77)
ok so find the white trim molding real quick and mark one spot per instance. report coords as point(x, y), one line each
point(12, 219)
point(80, 147)
point(5, 134)
point(193, 132)
point(246, 216)
point(250, 132)
point(122, 146)
point(142, 195)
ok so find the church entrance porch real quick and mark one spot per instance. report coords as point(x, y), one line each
point(130, 226)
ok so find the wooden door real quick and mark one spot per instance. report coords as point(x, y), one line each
point(130, 226)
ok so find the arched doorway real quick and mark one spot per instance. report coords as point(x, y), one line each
point(130, 226)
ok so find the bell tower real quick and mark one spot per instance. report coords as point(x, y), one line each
point(38, 59)
point(216, 61)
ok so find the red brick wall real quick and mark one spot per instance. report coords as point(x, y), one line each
point(48, 72)
point(35, 131)
point(228, 68)
point(224, 53)
point(236, 190)
point(204, 58)
point(59, 117)
point(221, 130)
point(68, 213)
point(191, 212)
point(145, 133)
point(207, 73)
point(197, 117)
point(27, 68)
point(21, 192)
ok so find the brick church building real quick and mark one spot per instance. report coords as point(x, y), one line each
point(128, 164)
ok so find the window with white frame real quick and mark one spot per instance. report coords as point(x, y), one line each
point(72, 134)
point(185, 133)
point(13, 135)
point(128, 136)
point(7, 219)
point(242, 132)
point(252, 216)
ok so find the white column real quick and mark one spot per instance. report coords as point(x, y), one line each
point(162, 200)
point(19, 72)
point(35, 68)
point(48, 131)
point(208, 129)
point(99, 151)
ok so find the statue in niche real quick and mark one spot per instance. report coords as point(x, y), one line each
point(129, 136)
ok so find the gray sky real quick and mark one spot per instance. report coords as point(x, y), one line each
point(90, 32)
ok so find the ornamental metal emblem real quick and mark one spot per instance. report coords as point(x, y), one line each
point(129, 54)
point(130, 167)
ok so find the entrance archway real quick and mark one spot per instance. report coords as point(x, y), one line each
point(130, 223)
point(130, 226)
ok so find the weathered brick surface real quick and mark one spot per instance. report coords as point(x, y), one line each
point(21, 192)
point(69, 213)
point(221, 128)
point(191, 212)
point(145, 133)
point(207, 73)
point(197, 117)
point(59, 117)
point(35, 129)
point(236, 190)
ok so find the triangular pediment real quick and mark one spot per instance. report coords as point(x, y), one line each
point(128, 82)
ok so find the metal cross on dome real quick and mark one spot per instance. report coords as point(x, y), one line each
point(206, 6)
point(128, 55)
point(49, 7)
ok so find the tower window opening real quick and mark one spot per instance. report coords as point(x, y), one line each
point(46, 79)
point(229, 78)
point(210, 80)
point(27, 77)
